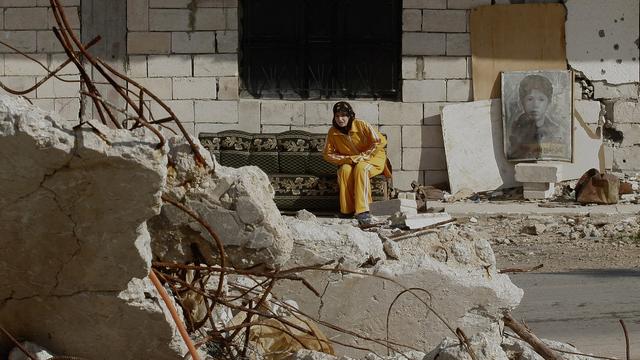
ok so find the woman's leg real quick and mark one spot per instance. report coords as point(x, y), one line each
point(362, 172)
point(345, 182)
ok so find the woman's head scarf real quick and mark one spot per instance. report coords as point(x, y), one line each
point(345, 108)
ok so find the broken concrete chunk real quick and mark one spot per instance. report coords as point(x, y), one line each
point(392, 249)
point(539, 172)
point(423, 220)
point(390, 207)
point(34, 349)
point(485, 346)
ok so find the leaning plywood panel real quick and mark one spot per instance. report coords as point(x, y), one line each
point(514, 38)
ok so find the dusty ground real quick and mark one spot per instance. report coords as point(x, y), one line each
point(563, 243)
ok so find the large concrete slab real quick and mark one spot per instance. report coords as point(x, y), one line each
point(602, 41)
point(473, 145)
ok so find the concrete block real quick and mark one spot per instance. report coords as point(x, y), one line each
point(47, 42)
point(227, 41)
point(602, 90)
point(184, 110)
point(390, 207)
point(409, 67)
point(44, 104)
point(429, 136)
point(273, 129)
point(423, 220)
point(169, 4)
point(459, 90)
point(136, 66)
point(473, 143)
point(424, 4)
point(194, 88)
point(17, 83)
point(316, 129)
point(249, 116)
point(318, 112)
point(216, 111)
point(538, 194)
point(394, 145)
point(169, 20)
point(402, 179)
point(201, 42)
point(366, 110)
point(138, 15)
point(210, 19)
point(434, 177)
point(538, 186)
point(441, 67)
point(626, 112)
point(444, 21)
point(25, 18)
point(458, 44)
point(23, 3)
point(73, 17)
point(215, 65)
point(159, 86)
point(148, 43)
point(423, 159)
point(15, 64)
point(411, 20)
point(228, 88)
point(424, 90)
point(466, 4)
point(169, 65)
point(55, 88)
point(231, 18)
point(538, 172)
point(433, 113)
point(631, 134)
point(626, 159)
point(25, 41)
point(396, 113)
point(419, 43)
point(282, 113)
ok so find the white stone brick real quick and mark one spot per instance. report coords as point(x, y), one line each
point(169, 65)
point(22, 3)
point(18, 83)
point(73, 17)
point(227, 41)
point(137, 15)
point(228, 88)
point(282, 113)
point(390, 207)
point(273, 129)
point(424, 90)
point(424, 4)
point(318, 112)
point(217, 111)
point(397, 113)
point(213, 127)
point(423, 159)
point(249, 115)
point(44, 104)
point(466, 4)
point(626, 112)
point(148, 43)
point(231, 17)
point(194, 88)
point(402, 179)
point(24, 41)
point(459, 90)
point(538, 186)
point(418, 43)
point(394, 145)
point(428, 136)
point(201, 42)
point(316, 129)
point(55, 88)
point(161, 87)
point(631, 133)
point(411, 20)
point(443, 67)
point(136, 66)
point(68, 108)
point(183, 109)
point(47, 42)
point(59, 59)
point(435, 177)
point(16, 64)
point(458, 44)
point(210, 19)
point(365, 110)
point(538, 172)
point(602, 90)
point(444, 21)
point(169, 20)
point(25, 18)
point(409, 67)
point(626, 159)
point(216, 65)
point(433, 113)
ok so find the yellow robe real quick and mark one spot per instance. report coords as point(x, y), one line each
point(361, 156)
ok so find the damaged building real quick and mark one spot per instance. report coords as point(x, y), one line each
point(100, 215)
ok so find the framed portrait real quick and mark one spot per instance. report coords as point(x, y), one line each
point(537, 115)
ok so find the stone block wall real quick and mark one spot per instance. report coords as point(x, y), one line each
point(26, 25)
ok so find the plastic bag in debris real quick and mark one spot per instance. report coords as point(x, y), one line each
point(596, 188)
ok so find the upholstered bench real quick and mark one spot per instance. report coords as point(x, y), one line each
point(293, 161)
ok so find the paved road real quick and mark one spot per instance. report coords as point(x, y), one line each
point(583, 308)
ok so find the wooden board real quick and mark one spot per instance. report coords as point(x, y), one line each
point(515, 38)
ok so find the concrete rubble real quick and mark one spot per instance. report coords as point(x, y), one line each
point(75, 247)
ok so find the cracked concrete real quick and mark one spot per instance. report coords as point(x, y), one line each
point(75, 250)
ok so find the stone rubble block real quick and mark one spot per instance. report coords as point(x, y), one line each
point(538, 172)
point(625, 111)
point(390, 207)
point(75, 244)
point(236, 203)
